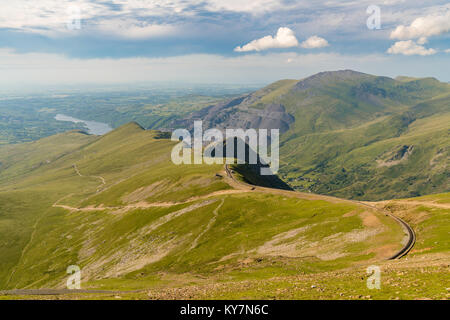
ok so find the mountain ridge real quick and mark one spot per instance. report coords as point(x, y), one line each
point(333, 106)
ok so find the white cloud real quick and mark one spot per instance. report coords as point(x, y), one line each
point(410, 48)
point(48, 17)
point(447, 50)
point(133, 19)
point(430, 25)
point(314, 42)
point(285, 38)
point(51, 17)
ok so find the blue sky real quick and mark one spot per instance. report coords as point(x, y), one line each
point(117, 41)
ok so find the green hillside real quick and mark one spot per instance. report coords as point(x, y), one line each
point(372, 140)
point(116, 206)
point(353, 135)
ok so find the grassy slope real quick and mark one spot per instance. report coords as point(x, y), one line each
point(138, 221)
point(423, 275)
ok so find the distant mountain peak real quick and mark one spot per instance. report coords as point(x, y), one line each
point(324, 77)
point(340, 73)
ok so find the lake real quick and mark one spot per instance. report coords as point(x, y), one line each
point(93, 127)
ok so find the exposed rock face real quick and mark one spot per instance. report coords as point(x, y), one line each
point(274, 116)
point(398, 155)
point(236, 114)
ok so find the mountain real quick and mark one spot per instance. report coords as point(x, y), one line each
point(121, 210)
point(350, 134)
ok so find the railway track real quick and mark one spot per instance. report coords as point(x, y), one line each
point(405, 226)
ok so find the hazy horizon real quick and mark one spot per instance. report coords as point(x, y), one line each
point(85, 42)
point(86, 86)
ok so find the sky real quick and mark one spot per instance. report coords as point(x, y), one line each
point(63, 42)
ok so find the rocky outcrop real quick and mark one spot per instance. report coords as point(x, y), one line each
point(237, 113)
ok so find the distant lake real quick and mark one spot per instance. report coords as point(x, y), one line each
point(94, 127)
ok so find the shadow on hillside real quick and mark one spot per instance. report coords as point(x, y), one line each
point(250, 172)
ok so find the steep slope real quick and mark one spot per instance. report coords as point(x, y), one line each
point(423, 275)
point(351, 134)
point(121, 210)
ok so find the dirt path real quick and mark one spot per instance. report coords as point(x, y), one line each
point(144, 204)
point(59, 292)
point(133, 206)
point(102, 180)
point(418, 203)
point(210, 224)
point(235, 183)
point(34, 228)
